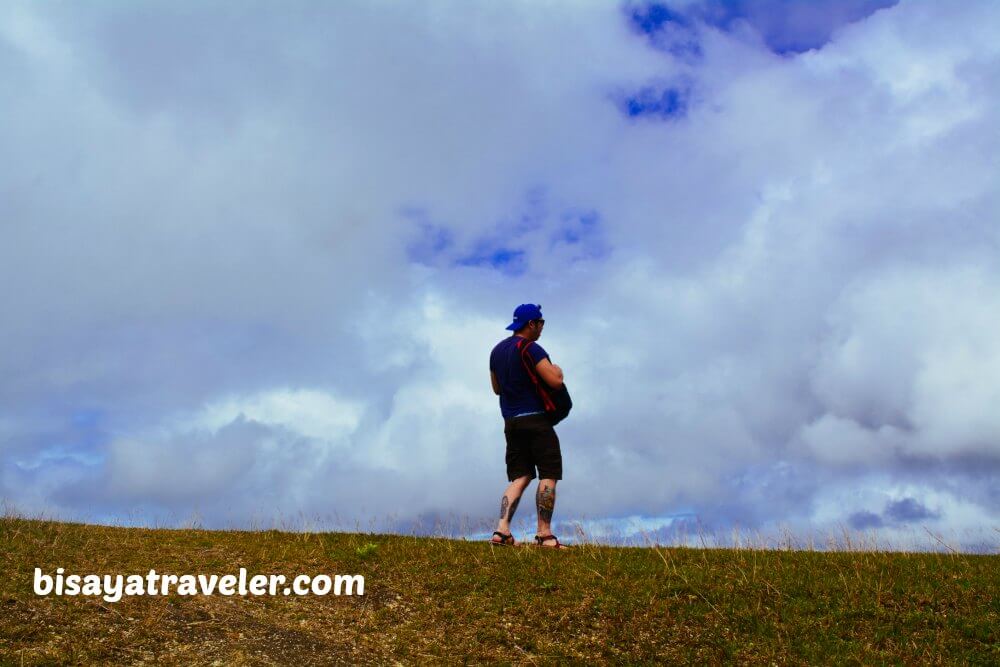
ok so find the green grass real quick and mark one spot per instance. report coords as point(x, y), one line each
point(429, 599)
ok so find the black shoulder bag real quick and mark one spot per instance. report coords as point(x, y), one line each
point(556, 402)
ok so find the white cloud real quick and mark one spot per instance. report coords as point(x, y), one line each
point(313, 414)
point(911, 350)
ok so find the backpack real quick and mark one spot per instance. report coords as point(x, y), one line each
point(556, 402)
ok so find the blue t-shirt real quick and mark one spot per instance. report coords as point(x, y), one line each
point(517, 391)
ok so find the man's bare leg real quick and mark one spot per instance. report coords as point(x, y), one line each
point(509, 502)
point(545, 503)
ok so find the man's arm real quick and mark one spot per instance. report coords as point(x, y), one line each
point(549, 372)
point(496, 385)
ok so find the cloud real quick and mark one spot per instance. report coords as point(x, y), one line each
point(903, 511)
point(863, 520)
point(262, 259)
point(908, 509)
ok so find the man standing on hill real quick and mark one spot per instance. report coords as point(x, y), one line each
point(531, 441)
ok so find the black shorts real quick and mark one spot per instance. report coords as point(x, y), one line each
point(531, 443)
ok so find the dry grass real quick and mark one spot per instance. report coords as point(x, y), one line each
point(433, 599)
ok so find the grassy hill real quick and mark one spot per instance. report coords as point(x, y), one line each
point(428, 599)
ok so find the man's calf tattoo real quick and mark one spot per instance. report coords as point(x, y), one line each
point(508, 508)
point(545, 501)
point(513, 508)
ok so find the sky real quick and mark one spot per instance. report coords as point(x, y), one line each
point(255, 258)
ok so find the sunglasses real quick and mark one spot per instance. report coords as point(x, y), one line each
point(540, 321)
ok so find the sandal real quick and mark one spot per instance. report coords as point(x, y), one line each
point(541, 539)
point(506, 540)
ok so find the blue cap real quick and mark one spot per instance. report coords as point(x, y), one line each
point(524, 314)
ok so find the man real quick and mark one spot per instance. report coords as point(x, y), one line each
point(531, 441)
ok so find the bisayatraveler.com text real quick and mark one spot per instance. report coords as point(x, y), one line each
point(113, 587)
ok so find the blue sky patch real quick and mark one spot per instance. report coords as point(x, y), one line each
point(787, 27)
point(664, 103)
point(651, 18)
point(434, 243)
point(575, 233)
point(666, 30)
point(507, 260)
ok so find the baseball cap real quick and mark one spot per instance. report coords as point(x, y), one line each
point(524, 314)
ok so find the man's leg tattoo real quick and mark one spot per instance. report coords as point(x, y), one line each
point(545, 501)
point(513, 508)
point(508, 508)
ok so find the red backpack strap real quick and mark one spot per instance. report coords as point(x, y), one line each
point(522, 346)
